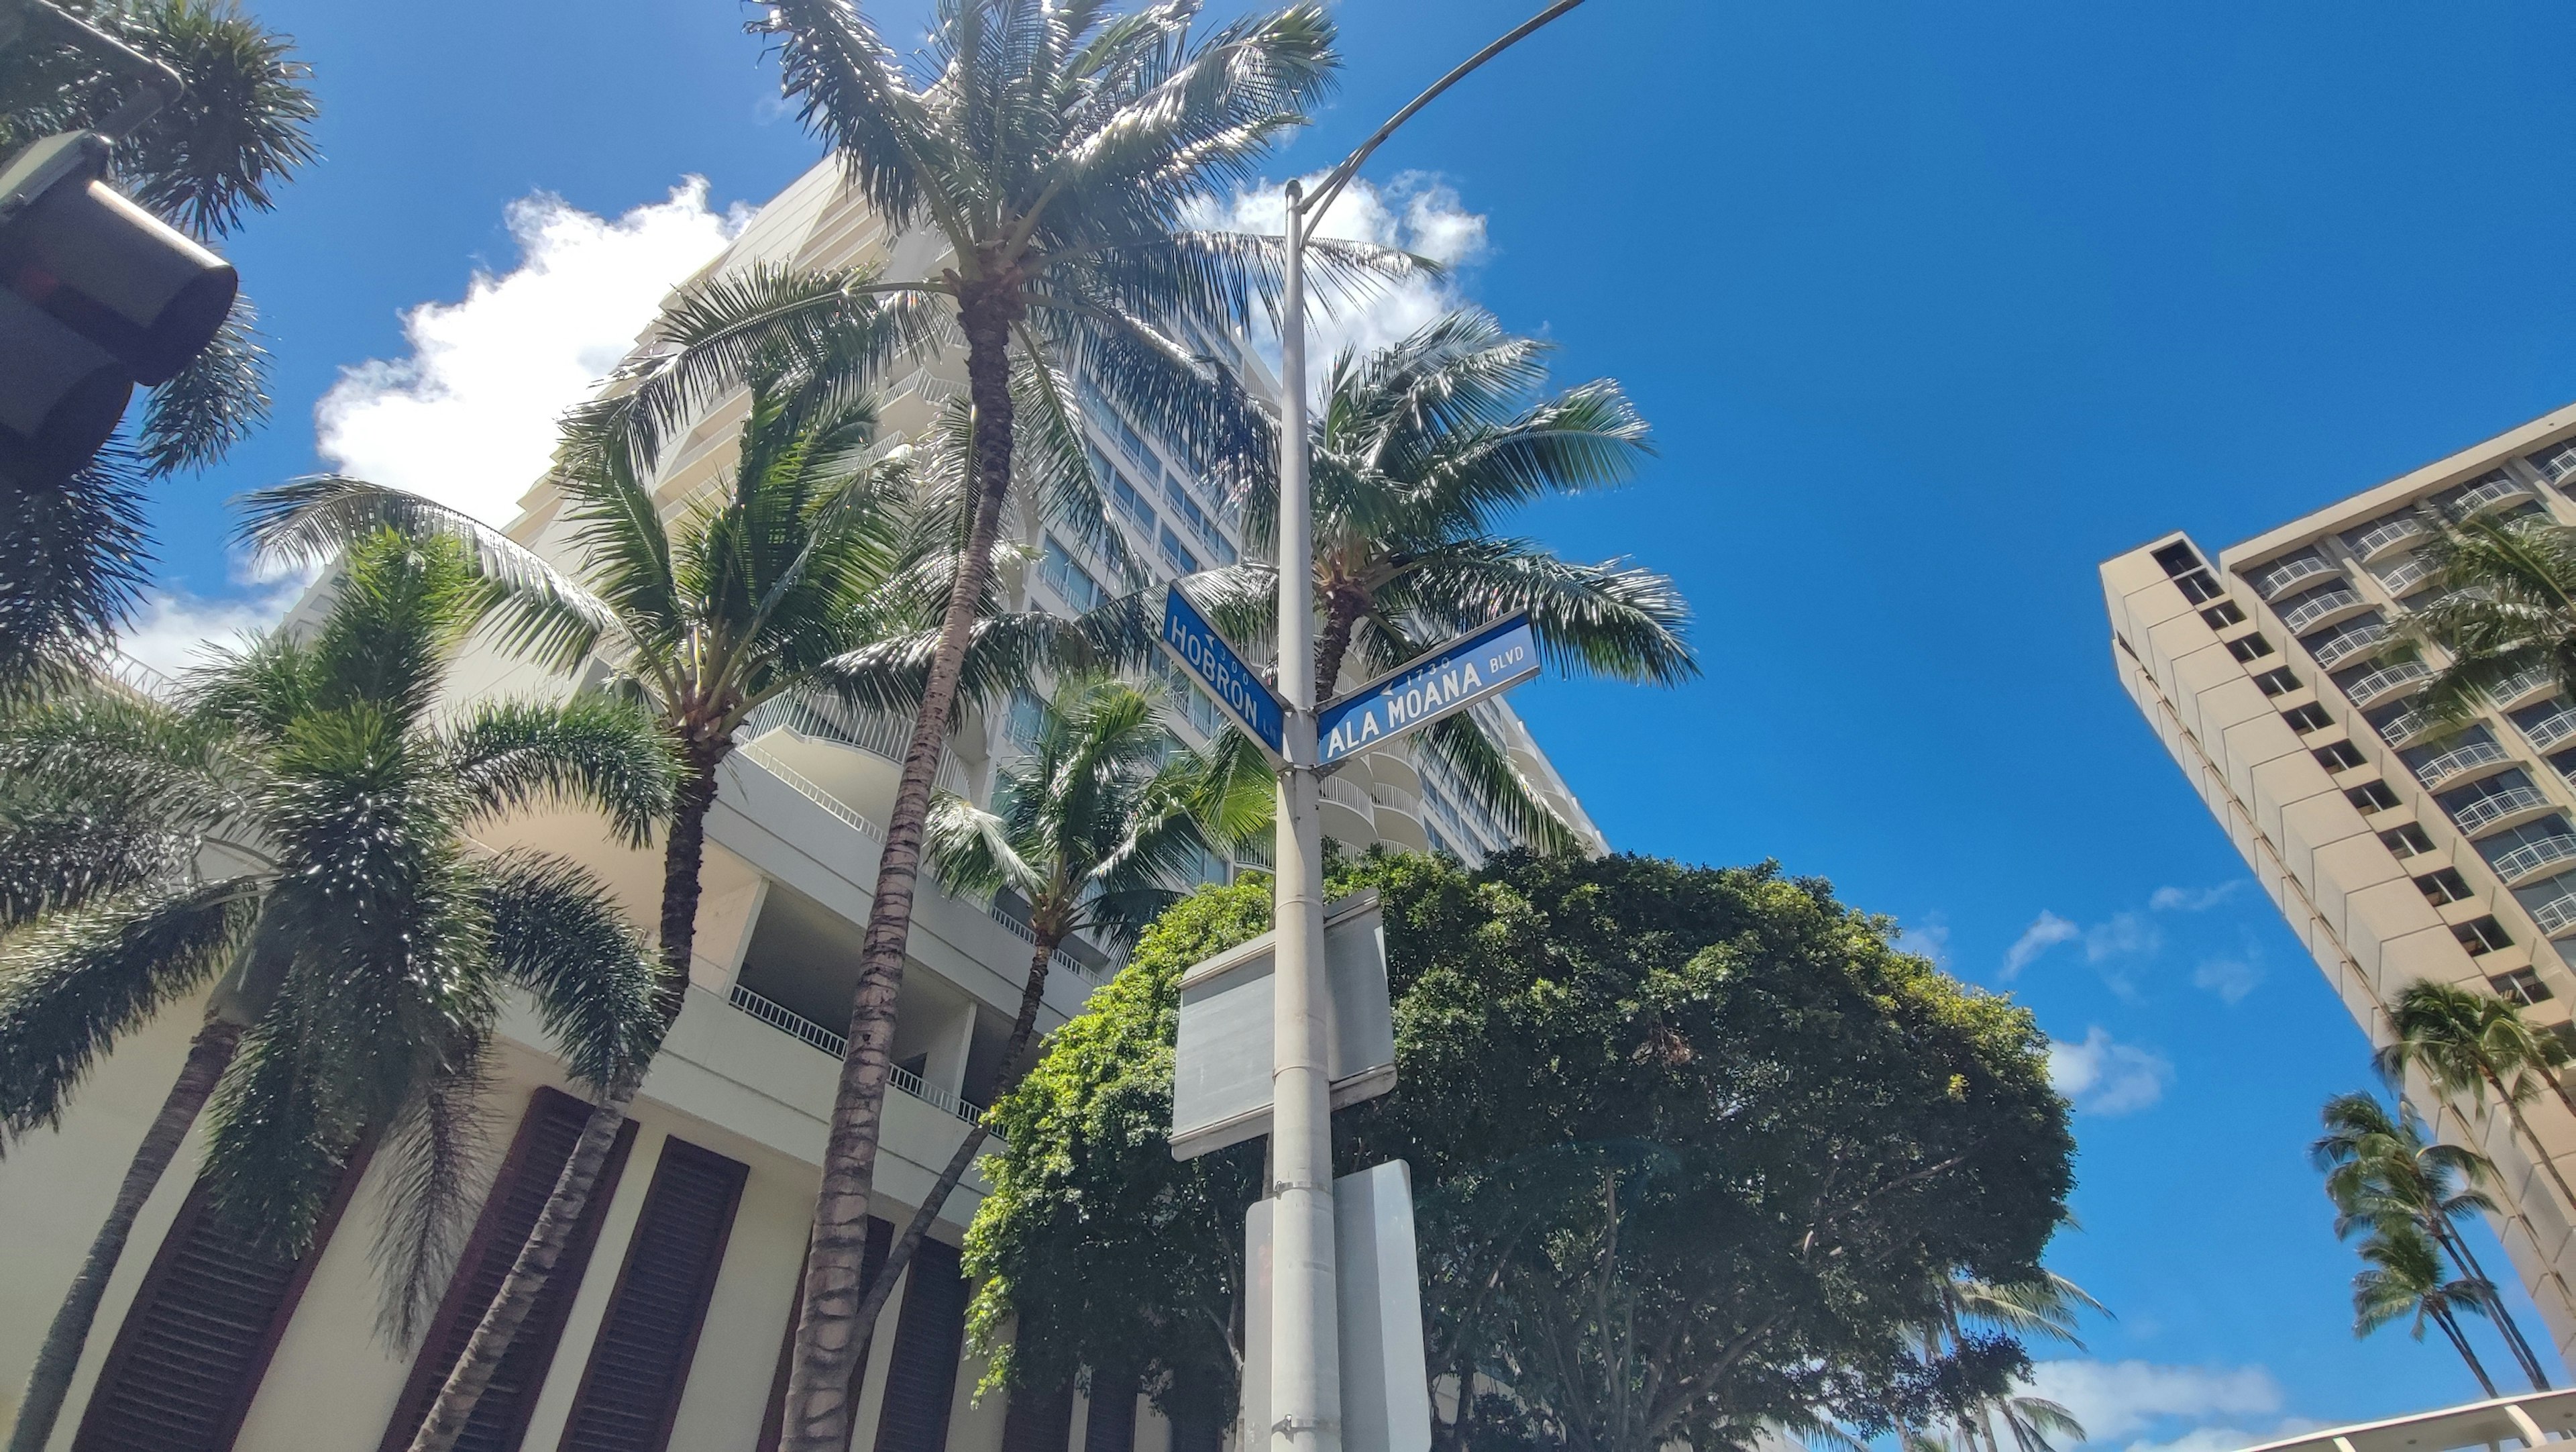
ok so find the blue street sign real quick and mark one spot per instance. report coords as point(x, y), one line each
point(1452, 678)
point(1238, 691)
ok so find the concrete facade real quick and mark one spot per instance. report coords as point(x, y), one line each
point(2394, 851)
point(748, 1072)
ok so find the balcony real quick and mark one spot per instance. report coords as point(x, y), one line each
point(2333, 652)
point(2501, 809)
point(2522, 688)
point(2461, 764)
point(797, 1025)
point(2387, 681)
point(2556, 917)
point(2270, 581)
point(2324, 605)
point(2406, 727)
point(2387, 535)
point(2491, 493)
point(2532, 858)
point(2548, 731)
point(2405, 575)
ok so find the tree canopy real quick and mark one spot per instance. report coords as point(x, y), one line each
point(1693, 1148)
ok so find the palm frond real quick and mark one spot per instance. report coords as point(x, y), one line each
point(434, 1151)
point(593, 751)
point(73, 562)
point(556, 932)
point(218, 400)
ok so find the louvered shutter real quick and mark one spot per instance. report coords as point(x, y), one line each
point(640, 1364)
point(190, 1353)
point(1038, 1421)
point(520, 1189)
point(921, 1375)
point(1111, 1426)
point(872, 1258)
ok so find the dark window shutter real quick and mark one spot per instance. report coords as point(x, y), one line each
point(872, 1259)
point(1111, 1427)
point(1197, 1429)
point(921, 1375)
point(640, 1363)
point(190, 1354)
point(1039, 1421)
point(519, 1192)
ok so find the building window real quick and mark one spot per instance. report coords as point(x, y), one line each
point(1026, 714)
point(2372, 796)
point(2223, 614)
point(2522, 985)
point(1177, 556)
point(2482, 936)
point(2177, 558)
point(2339, 756)
point(2444, 886)
point(2249, 647)
point(1123, 493)
point(1056, 566)
point(2310, 717)
point(2277, 682)
point(2198, 587)
point(2407, 841)
point(1196, 518)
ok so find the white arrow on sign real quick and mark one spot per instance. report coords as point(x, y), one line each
point(1449, 680)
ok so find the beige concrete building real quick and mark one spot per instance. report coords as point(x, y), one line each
point(2394, 852)
point(665, 1330)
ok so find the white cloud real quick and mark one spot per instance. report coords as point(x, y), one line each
point(2123, 935)
point(2230, 978)
point(2226, 1439)
point(2104, 1076)
point(2192, 900)
point(2115, 1399)
point(468, 418)
point(1415, 211)
point(2044, 933)
point(1929, 938)
point(176, 632)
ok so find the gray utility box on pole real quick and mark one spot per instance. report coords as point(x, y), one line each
point(1221, 1064)
point(1386, 1386)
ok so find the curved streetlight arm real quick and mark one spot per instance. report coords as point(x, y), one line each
point(1340, 176)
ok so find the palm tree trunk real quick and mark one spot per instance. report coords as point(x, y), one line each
point(683, 854)
point(50, 1382)
point(2466, 1259)
point(1341, 613)
point(816, 1415)
point(2539, 1151)
point(2468, 1354)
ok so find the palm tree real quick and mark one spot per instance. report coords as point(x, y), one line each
point(1418, 448)
point(2480, 1046)
point(71, 558)
point(2042, 1306)
point(2405, 1279)
point(2503, 605)
point(293, 833)
point(1057, 151)
point(819, 566)
point(2381, 1170)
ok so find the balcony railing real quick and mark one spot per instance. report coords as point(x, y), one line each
point(2318, 608)
point(2405, 575)
point(789, 1021)
point(2529, 683)
point(805, 787)
point(2386, 681)
point(2452, 765)
point(2531, 857)
point(2549, 730)
point(2388, 535)
point(2556, 916)
point(2475, 817)
point(2406, 726)
point(878, 733)
point(2335, 651)
point(2494, 491)
point(2274, 579)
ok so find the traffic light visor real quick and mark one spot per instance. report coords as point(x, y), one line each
point(130, 282)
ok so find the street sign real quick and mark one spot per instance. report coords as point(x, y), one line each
point(1386, 1385)
point(1221, 1065)
point(1450, 679)
point(1237, 689)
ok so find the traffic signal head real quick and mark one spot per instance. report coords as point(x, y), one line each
point(96, 295)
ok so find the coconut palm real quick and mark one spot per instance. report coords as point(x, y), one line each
point(2043, 1306)
point(2405, 1281)
point(1057, 151)
point(1419, 449)
point(293, 833)
point(2381, 1170)
point(72, 557)
point(2478, 1046)
point(2502, 604)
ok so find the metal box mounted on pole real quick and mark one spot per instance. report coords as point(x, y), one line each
point(1221, 1068)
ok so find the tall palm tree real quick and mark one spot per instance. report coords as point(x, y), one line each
point(294, 833)
point(819, 565)
point(2381, 1170)
point(2502, 603)
point(1057, 151)
point(1419, 449)
point(72, 557)
point(2405, 1280)
point(2479, 1046)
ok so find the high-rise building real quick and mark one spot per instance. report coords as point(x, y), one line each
point(664, 1328)
point(2397, 847)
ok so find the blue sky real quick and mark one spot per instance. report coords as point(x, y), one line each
point(1933, 307)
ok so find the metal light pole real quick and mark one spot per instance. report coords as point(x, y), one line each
point(1305, 1352)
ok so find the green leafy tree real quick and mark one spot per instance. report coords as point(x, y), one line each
point(818, 566)
point(73, 558)
point(1693, 1148)
point(1057, 152)
point(2404, 1282)
point(2478, 1047)
point(293, 834)
point(2382, 1171)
